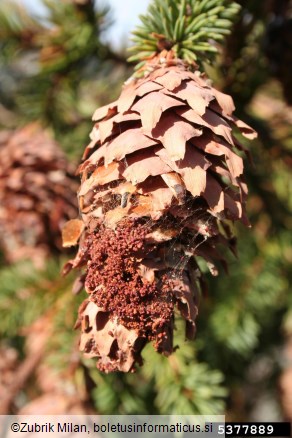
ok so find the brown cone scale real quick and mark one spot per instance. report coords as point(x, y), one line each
point(160, 178)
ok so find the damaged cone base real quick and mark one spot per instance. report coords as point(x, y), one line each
point(160, 178)
point(133, 290)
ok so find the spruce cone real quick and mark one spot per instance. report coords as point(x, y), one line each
point(160, 178)
point(36, 194)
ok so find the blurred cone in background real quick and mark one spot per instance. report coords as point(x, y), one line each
point(36, 194)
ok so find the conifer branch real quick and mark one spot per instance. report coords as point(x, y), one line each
point(190, 28)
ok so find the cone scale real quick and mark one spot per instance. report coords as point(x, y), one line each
point(161, 182)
